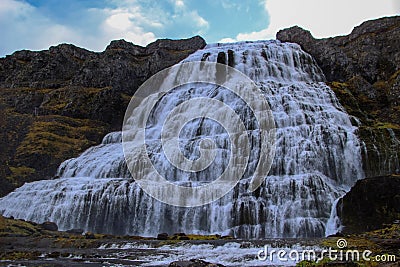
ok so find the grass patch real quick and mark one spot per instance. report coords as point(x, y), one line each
point(10, 227)
point(387, 125)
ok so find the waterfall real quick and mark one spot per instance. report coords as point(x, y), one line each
point(317, 159)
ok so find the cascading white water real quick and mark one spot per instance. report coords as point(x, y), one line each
point(317, 159)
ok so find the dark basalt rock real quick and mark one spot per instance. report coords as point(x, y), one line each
point(75, 231)
point(194, 263)
point(371, 204)
point(123, 65)
point(371, 51)
point(50, 226)
point(180, 236)
point(162, 236)
point(89, 235)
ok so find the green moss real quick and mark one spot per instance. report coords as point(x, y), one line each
point(353, 242)
point(389, 232)
point(19, 173)
point(59, 137)
point(394, 77)
point(16, 227)
point(203, 237)
point(59, 99)
point(20, 255)
point(168, 242)
point(386, 125)
point(308, 263)
point(350, 102)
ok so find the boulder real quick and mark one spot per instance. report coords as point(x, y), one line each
point(75, 231)
point(371, 204)
point(194, 263)
point(49, 226)
point(89, 235)
point(162, 236)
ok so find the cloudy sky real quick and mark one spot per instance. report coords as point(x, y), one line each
point(92, 24)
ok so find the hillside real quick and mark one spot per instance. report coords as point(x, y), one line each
point(58, 102)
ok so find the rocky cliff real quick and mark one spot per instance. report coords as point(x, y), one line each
point(58, 102)
point(363, 68)
point(370, 204)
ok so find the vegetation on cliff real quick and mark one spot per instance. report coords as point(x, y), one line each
point(58, 102)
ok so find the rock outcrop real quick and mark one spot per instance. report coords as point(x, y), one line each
point(122, 66)
point(58, 102)
point(371, 51)
point(363, 68)
point(370, 204)
point(194, 263)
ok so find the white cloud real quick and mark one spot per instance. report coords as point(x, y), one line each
point(200, 21)
point(322, 18)
point(124, 23)
point(227, 40)
point(326, 18)
point(23, 27)
point(229, 4)
point(26, 27)
point(184, 16)
point(179, 3)
point(263, 34)
point(132, 20)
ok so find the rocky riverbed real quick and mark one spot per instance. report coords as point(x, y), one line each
point(28, 244)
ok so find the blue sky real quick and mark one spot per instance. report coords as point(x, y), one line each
point(92, 24)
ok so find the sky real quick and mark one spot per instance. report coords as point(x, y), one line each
point(92, 24)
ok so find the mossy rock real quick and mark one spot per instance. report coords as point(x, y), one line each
point(370, 204)
point(49, 141)
point(20, 255)
point(11, 227)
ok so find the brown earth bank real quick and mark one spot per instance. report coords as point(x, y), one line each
point(58, 102)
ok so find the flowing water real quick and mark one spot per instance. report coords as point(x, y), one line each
point(317, 159)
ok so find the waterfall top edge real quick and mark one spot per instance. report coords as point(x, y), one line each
point(250, 44)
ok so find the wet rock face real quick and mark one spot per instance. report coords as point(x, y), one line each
point(371, 50)
point(370, 204)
